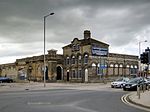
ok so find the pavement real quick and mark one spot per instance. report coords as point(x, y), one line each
point(40, 86)
point(132, 98)
point(143, 102)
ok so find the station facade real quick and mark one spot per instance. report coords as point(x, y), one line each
point(87, 60)
point(83, 60)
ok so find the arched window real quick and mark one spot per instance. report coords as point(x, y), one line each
point(93, 65)
point(112, 65)
point(73, 59)
point(79, 73)
point(132, 70)
point(135, 66)
point(131, 66)
point(116, 65)
point(136, 69)
point(79, 58)
point(67, 61)
point(120, 65)
point(85, 59)
point(98, 69)
point(74, 74)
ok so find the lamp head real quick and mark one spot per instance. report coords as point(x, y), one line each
point(52, 13)
point(145, 41)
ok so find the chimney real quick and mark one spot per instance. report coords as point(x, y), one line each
point(87, 34)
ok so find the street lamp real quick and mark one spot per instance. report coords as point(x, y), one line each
point(139, 56)
point(44, 44)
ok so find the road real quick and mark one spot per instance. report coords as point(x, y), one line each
point(64, 100)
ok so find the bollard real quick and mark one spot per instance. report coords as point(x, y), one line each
point(145, 87)
point(148, 87)
point(138, 91)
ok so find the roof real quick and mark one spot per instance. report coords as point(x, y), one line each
point(88, 41)
point(123, 55)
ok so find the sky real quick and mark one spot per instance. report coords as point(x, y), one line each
point(120, 23)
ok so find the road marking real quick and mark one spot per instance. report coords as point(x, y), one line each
point(124, 100)
point(39, 103)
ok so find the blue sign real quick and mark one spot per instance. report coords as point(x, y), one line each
point(99, 51)
point(103, 66)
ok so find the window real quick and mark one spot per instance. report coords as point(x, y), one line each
point(80, 74)
point(111, 65)
point(135, 66)
point(73, 59)
point(120, 65)
point(79, 59)
point(116, 65)
point(67, 61)
point(86, 59)
point(133, 69)
point(93, 65)
point(76, 47)
point(73, 74)
point(98, 68)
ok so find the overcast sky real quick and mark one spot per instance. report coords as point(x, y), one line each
point(120, 23)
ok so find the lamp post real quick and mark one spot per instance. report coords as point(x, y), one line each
point(139, 56)
point(44, 44)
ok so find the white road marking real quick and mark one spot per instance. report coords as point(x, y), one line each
point(39, 103)
point(124, 100)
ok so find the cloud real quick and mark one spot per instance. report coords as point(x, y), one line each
point(119, 23)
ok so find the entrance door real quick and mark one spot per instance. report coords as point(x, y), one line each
point(86, 75)
point(67, 76)
point(59, 73)
point(46, 73)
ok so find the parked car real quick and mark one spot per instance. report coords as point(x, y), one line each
point(5, 79)
point(133, 83)
point(148, 81)
point(118, 83)
point(133, 76)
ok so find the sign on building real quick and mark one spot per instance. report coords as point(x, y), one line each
point(99, 51)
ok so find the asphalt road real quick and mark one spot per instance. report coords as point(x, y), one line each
point(64, 101)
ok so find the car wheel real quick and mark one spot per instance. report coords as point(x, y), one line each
point(121, 86)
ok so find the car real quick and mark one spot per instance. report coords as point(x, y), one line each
point(148, 82)
point(118, 83)
point(133, 76)
point(5, 79)
point(133, 83)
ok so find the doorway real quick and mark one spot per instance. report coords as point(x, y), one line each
point(59, 73)
point(86, 75)
point(67, 76)
point(46, 73)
